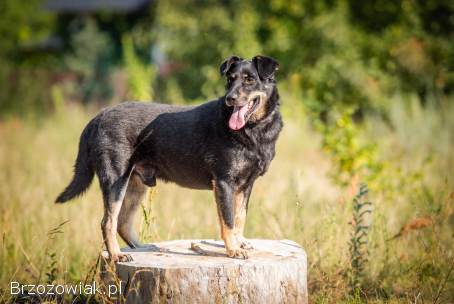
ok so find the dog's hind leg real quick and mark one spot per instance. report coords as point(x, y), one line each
point(113, 187)
point(134, 195)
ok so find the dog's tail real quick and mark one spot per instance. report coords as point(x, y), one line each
point(83, 171)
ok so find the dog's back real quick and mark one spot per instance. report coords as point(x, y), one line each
point(110, 138)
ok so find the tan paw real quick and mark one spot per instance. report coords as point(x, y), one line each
point(121, 257)
point(237, 254)
point(244, 243)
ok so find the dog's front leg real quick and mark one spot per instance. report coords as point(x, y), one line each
point(241, 200)
point(225, 197)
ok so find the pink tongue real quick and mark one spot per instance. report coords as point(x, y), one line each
point(237, 120)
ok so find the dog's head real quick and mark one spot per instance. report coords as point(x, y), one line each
point(250, 84)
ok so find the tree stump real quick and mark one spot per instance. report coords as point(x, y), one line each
point(275, 272)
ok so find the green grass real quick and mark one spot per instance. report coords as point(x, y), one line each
point(296, 199)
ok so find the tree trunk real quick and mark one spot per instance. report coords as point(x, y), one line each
point(276, 272)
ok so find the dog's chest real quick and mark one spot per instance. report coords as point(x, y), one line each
point(247, 165)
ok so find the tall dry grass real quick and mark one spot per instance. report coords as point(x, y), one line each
point(296, 200)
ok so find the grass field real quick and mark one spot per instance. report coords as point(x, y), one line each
point(410, 246)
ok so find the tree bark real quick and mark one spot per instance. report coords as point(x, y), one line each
point(276, 272)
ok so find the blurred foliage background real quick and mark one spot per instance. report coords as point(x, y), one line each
point(335, 53)
point(367, 96)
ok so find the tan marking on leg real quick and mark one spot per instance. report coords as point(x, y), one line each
point(109, 229)
point(134, 195)
point(239, 213)
point(228, 234)
point(240, 220)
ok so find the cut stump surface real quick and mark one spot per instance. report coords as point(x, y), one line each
point(172, 272)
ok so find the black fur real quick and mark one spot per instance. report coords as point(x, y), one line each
point(83, 171)
point(191, 146)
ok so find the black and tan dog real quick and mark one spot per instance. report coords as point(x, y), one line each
point(223, 145)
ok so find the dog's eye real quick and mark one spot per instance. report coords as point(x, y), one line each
point(230, 79)
point(249, 80)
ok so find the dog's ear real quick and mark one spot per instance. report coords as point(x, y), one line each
point(266, 66)
point(225, 66)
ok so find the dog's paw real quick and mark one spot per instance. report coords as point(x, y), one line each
point(124, 257)
point(237, 254)
point(245, 244)
point(121, 257)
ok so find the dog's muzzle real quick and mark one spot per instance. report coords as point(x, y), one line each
point(241, 113)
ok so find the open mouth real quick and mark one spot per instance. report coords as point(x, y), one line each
point(241, 114)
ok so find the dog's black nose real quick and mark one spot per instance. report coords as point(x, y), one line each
point(231, 98)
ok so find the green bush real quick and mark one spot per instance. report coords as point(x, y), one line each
point(140, 76)
point(90, 58)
